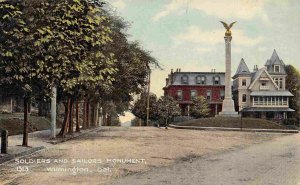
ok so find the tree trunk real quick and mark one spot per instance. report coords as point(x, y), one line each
point(84, 116)
point(88, 114)
point(25, 128)
point(77, 117)
point(11, 105)
point(97, 114)
point(70, 131)
point(92, 114)
point(108, 120)
point(64, 127)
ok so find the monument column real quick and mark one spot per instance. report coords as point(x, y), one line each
point(228, 104)
point(228, 93)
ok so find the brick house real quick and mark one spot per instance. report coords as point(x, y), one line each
point(184, 86)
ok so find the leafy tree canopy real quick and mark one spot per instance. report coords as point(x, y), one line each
point(200, 108)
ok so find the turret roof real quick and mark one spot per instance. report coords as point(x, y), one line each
point(242, 68)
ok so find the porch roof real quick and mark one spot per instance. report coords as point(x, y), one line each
point(271, 93)
point(268, 109)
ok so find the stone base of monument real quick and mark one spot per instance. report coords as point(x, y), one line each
point(228, 109)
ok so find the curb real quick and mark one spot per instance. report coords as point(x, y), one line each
point(233, 129)
point(21, 154)
point(61, 140)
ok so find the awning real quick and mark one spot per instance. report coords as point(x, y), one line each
point(271, 93)
point(267, 109)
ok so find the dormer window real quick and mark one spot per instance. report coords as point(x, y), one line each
point(216, 80)
point(184, 79)
point(201, 80)
point(277, 68)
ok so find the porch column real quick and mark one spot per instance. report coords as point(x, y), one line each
point(284, 115)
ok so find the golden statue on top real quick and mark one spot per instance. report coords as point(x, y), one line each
point(228, 32)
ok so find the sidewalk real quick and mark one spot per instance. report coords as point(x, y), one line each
point(234, 129)
point(37, 141)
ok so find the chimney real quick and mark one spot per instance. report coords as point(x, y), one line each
point(214, 70)
point(171, 71)
point(179, 70)
point(255, 68)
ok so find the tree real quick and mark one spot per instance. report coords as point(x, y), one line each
point(167, 108)
point(200, 108)
point(16, 66)
point(70, 38)
point(293, 85)
point(132, 63)
point(140, 107)
point(74, 45)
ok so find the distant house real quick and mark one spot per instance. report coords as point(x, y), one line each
point(184, 86)
point(262, 93)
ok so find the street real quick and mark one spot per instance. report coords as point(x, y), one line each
point(270, 163)
point(98, 157)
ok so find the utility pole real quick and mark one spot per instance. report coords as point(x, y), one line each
point(148, 96)
point(53, 112)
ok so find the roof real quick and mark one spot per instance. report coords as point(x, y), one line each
point(268, 109)
point(275, 60)
point(271, 93)
point(242, 68)
point(255, 76)
point(200, 73)
point(209, 77)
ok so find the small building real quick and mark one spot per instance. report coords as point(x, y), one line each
point(262, 93)
point(184, 86)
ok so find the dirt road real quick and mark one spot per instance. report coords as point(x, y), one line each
point(98, 157)
point(271, 163)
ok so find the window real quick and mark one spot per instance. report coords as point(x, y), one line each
point(222, 94)
point(179, 95)
point(263, 84)
point(200, 80)
point(276, 80)
point(208, 94)
point(193, 94)
point(277, 68)
point(216, 80)
point(184, 79)
point(280, 83)
point(244, 83)
point(244, 98)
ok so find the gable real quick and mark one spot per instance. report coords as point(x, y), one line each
point(263, 78)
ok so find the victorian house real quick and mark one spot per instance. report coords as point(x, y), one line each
point(262, 93)
point(184, 86)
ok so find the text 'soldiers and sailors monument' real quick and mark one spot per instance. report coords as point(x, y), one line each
point(228, 104)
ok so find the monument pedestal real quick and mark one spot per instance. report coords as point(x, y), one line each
point(228, 109)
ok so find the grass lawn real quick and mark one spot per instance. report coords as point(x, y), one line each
point(14, 123)
point(233, 123)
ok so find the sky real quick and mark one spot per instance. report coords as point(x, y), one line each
point(187, 34)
